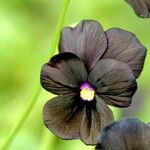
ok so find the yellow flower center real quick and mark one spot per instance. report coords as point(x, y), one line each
point(87, 92)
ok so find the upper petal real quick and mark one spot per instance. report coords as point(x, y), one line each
point(87, 40)
point(62, 115)
point(125, 47)
point(96, 116)
point(114, 82)
point(140, 7)
point(63, 73)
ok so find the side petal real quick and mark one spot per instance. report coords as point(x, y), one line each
point(62, 116)
point(140, 7)
point(114, 82)
point(63, 73)
point(95, 117)
point(125, 47)
point(87, 40)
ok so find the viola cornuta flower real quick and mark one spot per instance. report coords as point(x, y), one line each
point(140, 7)
point(94, 68)
point(127, 134)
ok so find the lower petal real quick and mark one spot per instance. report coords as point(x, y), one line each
point(96, 116)
point(62, 116)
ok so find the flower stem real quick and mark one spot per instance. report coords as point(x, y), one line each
point(58, 27)
point(22, 119)
point(37, 90)
point(47, 140)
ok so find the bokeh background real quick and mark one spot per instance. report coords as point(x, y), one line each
point(26, 30)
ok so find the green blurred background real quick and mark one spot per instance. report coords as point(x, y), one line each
point(26, 30)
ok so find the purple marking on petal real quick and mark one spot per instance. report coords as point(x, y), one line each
point(86, 85)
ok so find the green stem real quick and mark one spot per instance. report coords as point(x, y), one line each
point(47, 140)
point(58, 27)
point(22, 119)
point(37, 91)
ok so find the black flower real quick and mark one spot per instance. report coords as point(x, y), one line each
point(141, 7)
point(92, 70)
point(127, 134)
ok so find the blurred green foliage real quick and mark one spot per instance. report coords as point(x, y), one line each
point(26, 30)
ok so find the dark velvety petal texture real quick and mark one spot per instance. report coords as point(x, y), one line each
point(140, 7)
point(114, 82)
point(94, 119)
point(125, 47)
point(127, 134)
point(146, 136)
point(63, 73)
point(87, 40)
point(63, 116)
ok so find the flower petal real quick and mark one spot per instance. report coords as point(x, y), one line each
point(63, 73)
point(87, 40)
point(127, 134)
point(62, 116)
point(114, 82)
point(125, 47)
point(96, 116)
point(140, 7)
